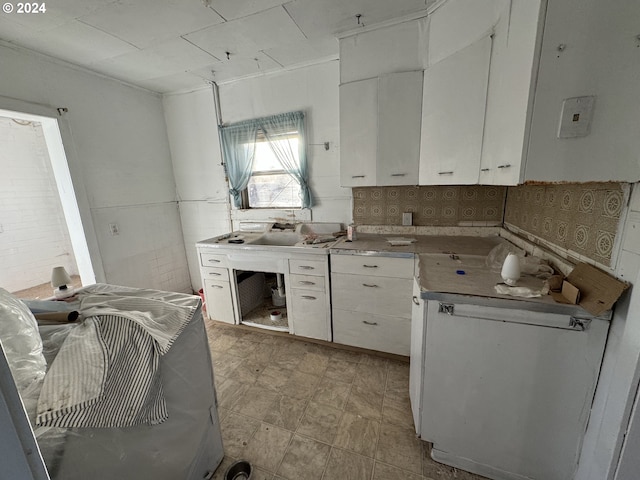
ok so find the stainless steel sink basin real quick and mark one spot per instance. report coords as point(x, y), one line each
point(282, 239)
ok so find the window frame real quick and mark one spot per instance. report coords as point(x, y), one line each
point(244, 195)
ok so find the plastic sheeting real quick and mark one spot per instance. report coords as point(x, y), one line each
point(23, 347)
point(188, 445)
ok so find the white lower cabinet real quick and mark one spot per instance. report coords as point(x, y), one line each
point(219, 301)
point(503, 392)
point(372, 304)
point(308, 303)
point(375, 332)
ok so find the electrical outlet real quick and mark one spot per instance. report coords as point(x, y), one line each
point(114, 229)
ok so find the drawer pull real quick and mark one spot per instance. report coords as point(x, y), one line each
point(373, 324)
point(306, 282)
point(215, 273)
point(217, 286)
point(485, 169)
point(415, 300)
point(446, 173)
point(308, 297)
point(212, 260)
point(369, 285)
point(358, 176)
point(370, 266)
point(307, 267)
point(506, 165)
point(398, 174)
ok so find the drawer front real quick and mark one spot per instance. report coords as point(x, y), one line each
point(373, 266)
point(374, 332)
point(377, 295)
point(213, 260)
point(307, 282)
point(218, 299)
point(308, 311)
point(215, 273)
point(307, 267)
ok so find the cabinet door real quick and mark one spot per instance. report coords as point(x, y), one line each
point(358, 131)
point(399, 118)
point(453, 110)
point(309, 313)
point(219, 300)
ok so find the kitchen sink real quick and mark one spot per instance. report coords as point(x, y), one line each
point(282, 239)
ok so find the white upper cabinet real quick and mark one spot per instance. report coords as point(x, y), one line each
point(380, 130)
point(453, 111)
point(399, 110)
point(358, 130)
point(510, 95)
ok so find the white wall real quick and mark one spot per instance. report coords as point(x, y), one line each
point(202, 189)
point(200, 182)
point(33, 233)
point(116, 144)
point(600, 58)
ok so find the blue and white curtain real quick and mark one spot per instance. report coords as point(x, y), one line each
point(285, 134)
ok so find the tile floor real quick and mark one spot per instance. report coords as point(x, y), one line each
point(301, 411)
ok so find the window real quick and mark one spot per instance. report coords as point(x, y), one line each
point(270, 186)
point(266, 162)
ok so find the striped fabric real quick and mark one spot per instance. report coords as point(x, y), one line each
point(106, 373)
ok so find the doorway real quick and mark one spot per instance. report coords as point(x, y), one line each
point(44, 224)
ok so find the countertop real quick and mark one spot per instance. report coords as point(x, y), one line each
point(374, 244)
point(442, 257)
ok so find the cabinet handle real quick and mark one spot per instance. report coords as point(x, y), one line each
point(217, 286)
point(358, 176)
point(415, 300)
point(506, 165)
point(370, 266)
point(398, 174)
point(307, 267)
point(370, 286)
point(308, 297)
point(306, 282)
point(215, 273)
point(445, 173)
point(485, 169)
point(211, 260)
point(373, 324)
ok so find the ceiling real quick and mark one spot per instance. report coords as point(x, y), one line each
point(176, 45)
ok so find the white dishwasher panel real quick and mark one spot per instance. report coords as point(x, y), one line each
point(508, 399)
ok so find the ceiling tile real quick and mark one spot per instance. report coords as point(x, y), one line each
point(232, 9)
point(305, 51)
point(250, 34)
point(145, 64)
point(145, 22)
point(238, 66)
point(182, 54)
point(76, 8)
point(76, 43)
point(173, 83)
point(328, 17)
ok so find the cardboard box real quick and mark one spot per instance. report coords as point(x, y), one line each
point(594, 290)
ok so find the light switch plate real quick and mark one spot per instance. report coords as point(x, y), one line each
point(575, 118)
point(407, 218)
